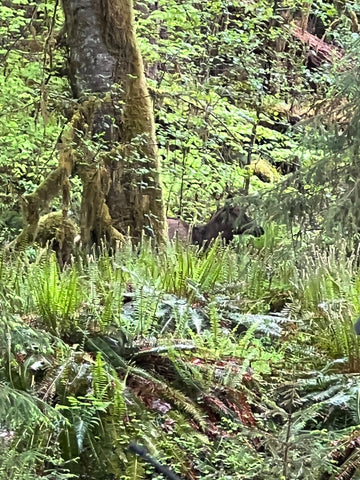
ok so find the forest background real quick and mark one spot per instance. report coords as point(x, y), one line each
point(238, 362)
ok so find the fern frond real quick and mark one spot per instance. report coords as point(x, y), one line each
point(56, 295)
point(135, 469)
point(100, 380)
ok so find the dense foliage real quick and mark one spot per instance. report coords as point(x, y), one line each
point(152, 348)
point(237, 362)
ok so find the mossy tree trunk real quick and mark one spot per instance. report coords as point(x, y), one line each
point(105, 61)
point(110, 142)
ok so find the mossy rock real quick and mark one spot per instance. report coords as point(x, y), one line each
point(264, 170)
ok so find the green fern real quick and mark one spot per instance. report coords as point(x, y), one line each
point(209, 268)
point(135, 470)
point(29, 464)
point(100, 379)
point(57, 296)
point(215, 326)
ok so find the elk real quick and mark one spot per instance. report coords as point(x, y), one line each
point(226, 222)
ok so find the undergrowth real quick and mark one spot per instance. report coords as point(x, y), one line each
point(183, 351)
